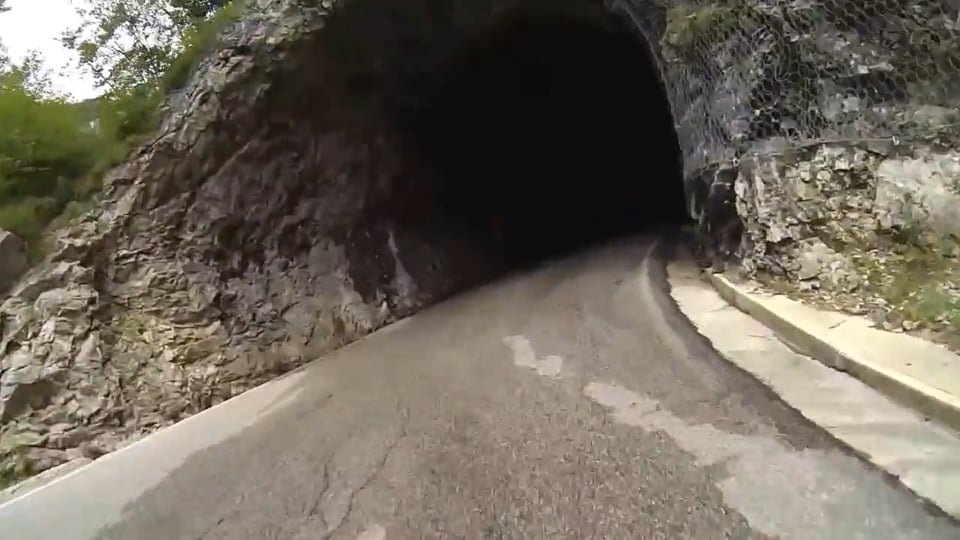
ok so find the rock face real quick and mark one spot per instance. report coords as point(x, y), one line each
point(851, 195)
point(13, 259)
point(260, 227)
point(835, 127)
point(250, 235)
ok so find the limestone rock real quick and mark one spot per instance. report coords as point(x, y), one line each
point(829, 269)
point(809, 100)
point(248, 237)
point(920, 193)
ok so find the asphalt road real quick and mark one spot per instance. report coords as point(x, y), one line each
point(572, 401)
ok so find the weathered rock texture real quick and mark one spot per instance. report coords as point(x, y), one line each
point(831, 126)
point(259, 228)
point(250, 235)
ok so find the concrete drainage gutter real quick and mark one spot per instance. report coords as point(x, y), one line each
point(919, 374)
point(801, 353)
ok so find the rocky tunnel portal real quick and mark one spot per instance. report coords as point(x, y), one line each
point(318, 181)
point(545, 133)
point(401, 154)
point(333, 167)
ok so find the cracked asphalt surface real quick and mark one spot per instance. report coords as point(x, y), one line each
point(570, 401)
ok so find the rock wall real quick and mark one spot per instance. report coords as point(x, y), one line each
point(262, 226)
point(831, 128)
point(270, 220)
point(768, 81)
point(257, 230)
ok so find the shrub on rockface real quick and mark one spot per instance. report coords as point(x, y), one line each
point(46, 150)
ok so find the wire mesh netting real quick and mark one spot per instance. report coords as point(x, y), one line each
point(801, 71)
point(828, 131)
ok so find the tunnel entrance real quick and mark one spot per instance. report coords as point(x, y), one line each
point(545, 133)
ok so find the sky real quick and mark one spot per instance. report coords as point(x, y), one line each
point(37, 25)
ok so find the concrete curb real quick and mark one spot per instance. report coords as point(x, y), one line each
point(924, 398)
point(42, 479)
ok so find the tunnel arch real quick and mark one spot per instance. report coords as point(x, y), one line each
point(326, 173)
point(408, 98)
point(302, 191)
point(544, 130)
point(293, 199)
point(393, 110)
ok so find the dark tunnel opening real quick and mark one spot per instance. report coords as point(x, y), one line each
point(546, 133)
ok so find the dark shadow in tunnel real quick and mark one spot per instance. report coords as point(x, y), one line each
point(549, 132)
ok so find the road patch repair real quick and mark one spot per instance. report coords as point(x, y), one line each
point(891, 398)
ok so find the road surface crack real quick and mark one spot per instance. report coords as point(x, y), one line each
point(375, 472)
point(211, 528)
point(325, 482)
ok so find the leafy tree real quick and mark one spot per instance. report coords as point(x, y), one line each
point(141, 49)
point(128, 43)
point(52, 151)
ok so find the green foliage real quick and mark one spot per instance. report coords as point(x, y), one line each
point(128, 112)
point(44, 148)
point(127, 44)
point(125, 116)
point(53, 153)
point(918, 280)
point(141, 77)
point(199, 9)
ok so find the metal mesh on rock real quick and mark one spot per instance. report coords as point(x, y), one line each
point(756, 75)
point(821, 143)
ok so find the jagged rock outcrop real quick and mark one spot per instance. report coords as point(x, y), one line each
point(250, 235)
point(261, 227)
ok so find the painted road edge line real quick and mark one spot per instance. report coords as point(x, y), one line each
point(929, 401)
